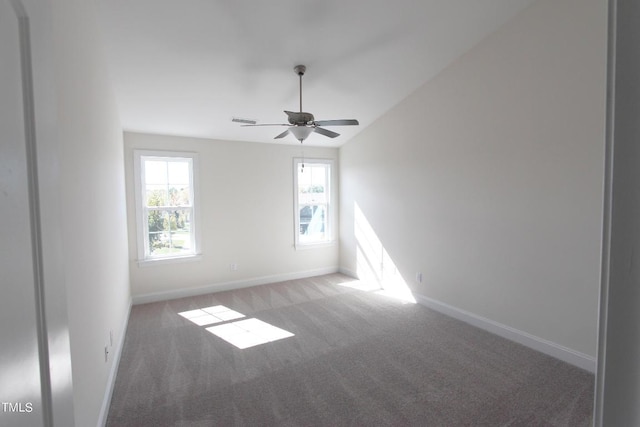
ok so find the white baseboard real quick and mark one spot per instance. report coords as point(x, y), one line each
point(231, 285)
point(549, 348)
point(115, 362)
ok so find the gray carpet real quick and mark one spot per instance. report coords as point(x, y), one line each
point(357, 359)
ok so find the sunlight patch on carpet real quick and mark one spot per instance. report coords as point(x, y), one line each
point(360, 285)
point(243, 333)
point(211, 315)
point(248, 333)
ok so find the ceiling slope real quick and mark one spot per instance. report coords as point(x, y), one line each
point(188, 67)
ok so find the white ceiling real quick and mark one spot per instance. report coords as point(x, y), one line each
point(186, 67)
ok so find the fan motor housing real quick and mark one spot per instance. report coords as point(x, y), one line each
point(299, 118)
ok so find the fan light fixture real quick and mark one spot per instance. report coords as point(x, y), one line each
point(301, 132)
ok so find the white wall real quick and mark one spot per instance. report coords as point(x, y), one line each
point(246, 211)
point(488, 179)
point(92, 198)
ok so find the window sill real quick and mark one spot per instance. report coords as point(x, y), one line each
point(149, 262)
point(305, 246)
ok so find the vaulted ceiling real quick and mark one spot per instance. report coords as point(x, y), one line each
point(188, 67)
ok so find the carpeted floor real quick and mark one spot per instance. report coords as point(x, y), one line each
point(356, 358)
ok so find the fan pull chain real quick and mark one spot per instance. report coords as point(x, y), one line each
point(302, 154)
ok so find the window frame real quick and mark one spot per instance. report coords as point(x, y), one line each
point(142, 230)
point(330, 209)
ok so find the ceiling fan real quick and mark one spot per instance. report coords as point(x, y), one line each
point(302, 124)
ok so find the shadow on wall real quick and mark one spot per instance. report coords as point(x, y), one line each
point(373, 263)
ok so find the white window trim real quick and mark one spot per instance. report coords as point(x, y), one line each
point(143, 260)
point(331, 211)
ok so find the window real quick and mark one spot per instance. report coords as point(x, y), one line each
point(165, 199)
point(313, 211)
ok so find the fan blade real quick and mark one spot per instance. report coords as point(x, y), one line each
point(244, 121)
point(326, 132)
point(266, 124)
point(343, 122)
point(283, 134)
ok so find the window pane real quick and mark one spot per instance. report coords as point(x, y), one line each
point(181, 230)
point(157, 221)
point(155, 172)
point(169, 231)
point(156, 195)
point(312, 182)
point(178, 173)
point(179, 196)
point(313, 223)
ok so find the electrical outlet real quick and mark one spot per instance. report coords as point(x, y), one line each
point(233, 266)
point(106, 353)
